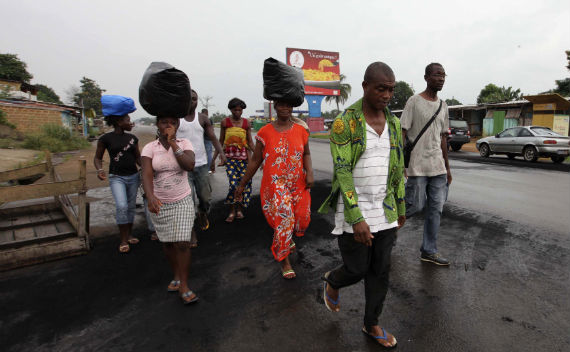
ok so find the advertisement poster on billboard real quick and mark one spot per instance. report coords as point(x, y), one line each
point(320, 68)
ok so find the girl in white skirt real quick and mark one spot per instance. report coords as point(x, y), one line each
point(165, 163)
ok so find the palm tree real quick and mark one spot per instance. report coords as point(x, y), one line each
point(345, 90)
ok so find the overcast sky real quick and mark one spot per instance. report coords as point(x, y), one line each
point(221, 45)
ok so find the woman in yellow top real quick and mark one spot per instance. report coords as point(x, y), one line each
point(235, 136)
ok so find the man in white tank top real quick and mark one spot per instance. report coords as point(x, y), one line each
point(193, 127)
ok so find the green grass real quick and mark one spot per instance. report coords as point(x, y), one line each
point(320, 135)
point(56, 139)
point(9, 143)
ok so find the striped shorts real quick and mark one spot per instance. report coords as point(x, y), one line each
point(174, 221)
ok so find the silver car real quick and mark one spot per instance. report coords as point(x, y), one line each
point(531, 142)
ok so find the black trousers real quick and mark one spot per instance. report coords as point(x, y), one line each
point(369, 263)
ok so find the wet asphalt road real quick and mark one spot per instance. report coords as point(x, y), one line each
point(507, 287)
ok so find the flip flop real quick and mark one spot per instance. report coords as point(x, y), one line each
point(186, 297)
point(173, 286)
point(205, 225)
point(289, 274)
point(133, 240)
point(230, 218)
point(377, 338)
point(292, 247)
point(239, 215)
point(327, 299)
point(124, 248)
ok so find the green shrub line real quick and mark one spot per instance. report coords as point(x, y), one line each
point(54, 138)
point(4, 121)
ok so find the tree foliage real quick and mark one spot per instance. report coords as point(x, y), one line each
point(218, 117)
point(147, 121)
point(562, 87)
point(47, 94)
point(90, 95)
point(402, 92)
point(345, 90)
point(12, 68)
point(495, 94)
point(330, 114)
point(205, 101)
point(452, 101)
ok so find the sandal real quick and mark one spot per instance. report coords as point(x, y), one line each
point(133, 240)
point(187, 297)
point(292, 247)
point(205, 224)
point(154, 237)
point(239, 215)
point(381, 338)
point(124, 248)
point(327, 299)
point(173, 286)
point(230, 217)
point(289, 274)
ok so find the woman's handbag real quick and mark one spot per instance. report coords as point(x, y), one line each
point(409, 146)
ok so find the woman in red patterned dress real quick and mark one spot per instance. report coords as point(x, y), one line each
point(287, 177)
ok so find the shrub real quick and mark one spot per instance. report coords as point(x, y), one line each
point(55, 139)
point(4, 121)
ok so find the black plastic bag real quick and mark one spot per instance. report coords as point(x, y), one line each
point(283, 83)
point(165, 91)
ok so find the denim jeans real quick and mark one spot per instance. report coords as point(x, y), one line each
point(124, 189)
point(209, 150)
point(199, 180)
point(430, 193)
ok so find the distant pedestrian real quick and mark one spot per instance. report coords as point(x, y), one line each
point(207, 141)
point(235, 136)
point(166, 163)
point(194, 127)
point(124, 155)
point(368, 196)
point(287, 177)
point(429, 174)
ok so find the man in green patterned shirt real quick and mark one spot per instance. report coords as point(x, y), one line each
point(368, 191)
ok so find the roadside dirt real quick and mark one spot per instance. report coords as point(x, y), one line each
point(15, 158)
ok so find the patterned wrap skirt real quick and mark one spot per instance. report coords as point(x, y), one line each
point(174, 221)
point(235, 169)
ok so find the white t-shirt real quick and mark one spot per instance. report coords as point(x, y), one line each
point(194, 132)
point(370, 175)
point(427, 157)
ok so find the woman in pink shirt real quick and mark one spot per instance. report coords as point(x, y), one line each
point(166, 162)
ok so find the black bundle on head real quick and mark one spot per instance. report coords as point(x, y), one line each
point(236, 102)
point(165, 91)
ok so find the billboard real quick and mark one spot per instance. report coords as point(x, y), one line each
point(320, 69)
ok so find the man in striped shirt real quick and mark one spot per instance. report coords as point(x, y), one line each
point(368, 195)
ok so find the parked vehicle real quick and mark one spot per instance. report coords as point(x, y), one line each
point(458, 134)
point(530, 142)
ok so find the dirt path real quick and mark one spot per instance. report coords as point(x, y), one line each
point(15, 158)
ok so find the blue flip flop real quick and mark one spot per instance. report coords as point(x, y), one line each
point(327, 298)
point(385, 337)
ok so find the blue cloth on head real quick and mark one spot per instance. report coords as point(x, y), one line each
point(117, 105)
